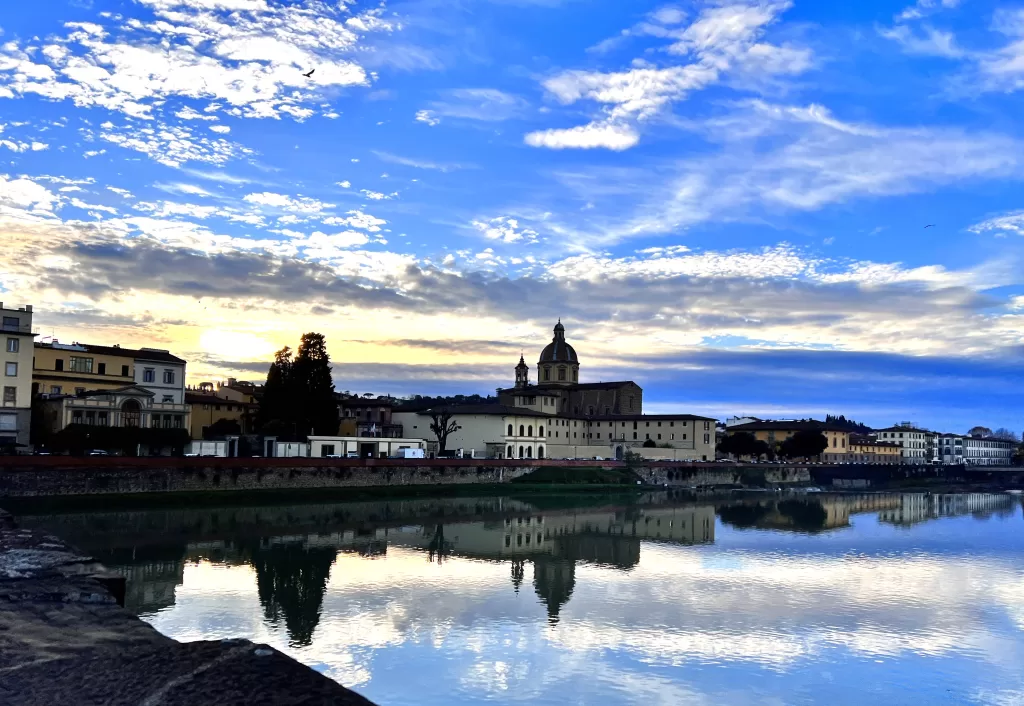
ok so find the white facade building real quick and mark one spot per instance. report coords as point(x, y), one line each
point(161, 373)
point(913, 442)
point(500, 431)
point(988, 451)
point(16, 337)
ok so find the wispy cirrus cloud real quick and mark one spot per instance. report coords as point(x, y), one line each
point(722, 40)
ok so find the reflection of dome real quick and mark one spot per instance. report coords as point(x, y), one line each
point(554, 579)
point(558, 351)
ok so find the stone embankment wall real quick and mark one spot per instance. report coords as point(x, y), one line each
point(67, 476)
point(93, 476)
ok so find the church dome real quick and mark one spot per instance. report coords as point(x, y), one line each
point(558, 351)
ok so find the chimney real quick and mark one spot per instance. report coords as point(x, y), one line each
point(28, 308)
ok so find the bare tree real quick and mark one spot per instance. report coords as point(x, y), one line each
point(442, 425)
point(1004, 433)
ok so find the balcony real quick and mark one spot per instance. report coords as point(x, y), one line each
point(379, 430)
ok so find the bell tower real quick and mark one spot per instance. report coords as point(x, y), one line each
point(522, 374)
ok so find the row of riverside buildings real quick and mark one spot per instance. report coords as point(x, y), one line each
point(904, 443)
point(50, 386)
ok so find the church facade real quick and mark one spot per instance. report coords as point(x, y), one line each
point(561, 417)
point(559, 391)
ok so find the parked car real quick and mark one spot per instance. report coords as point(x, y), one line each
point(98, 452)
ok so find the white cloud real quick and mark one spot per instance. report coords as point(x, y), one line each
point(345, 184)
point(773, 158)
point(168, 209)
point(487, 104)
point(419, 163)
point(427, 116)
point(322, 246)
point(1012, 222)
point(927, 42)
point(357, 219)
point(26, 195)
point(298, 205)
point(78, 203)
point(174, 145)
point(222, 129)
point(250, 59)
point(923, 8)
point(594, 135)
point(377, 195)
point(120, 192)
point(724, 40)
point(189, 113)
point(505, 229)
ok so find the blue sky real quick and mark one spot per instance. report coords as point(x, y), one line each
point(724, 201)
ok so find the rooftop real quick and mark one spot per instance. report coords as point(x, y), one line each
point(493, 409)
point(789, 425)
point(650, 418)
point(542, 388)
point(154, 354)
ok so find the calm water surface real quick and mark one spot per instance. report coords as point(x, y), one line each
point(815, 599)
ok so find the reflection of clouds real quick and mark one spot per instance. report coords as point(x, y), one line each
point(407, 630)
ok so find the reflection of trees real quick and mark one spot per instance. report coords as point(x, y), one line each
point(554, 579)
point(291, 580)
point(742, 516)
point(805, 514)
point(439, 549)
point(801, 515)
point(518, 573)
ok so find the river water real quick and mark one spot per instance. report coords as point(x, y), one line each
point(659, 599)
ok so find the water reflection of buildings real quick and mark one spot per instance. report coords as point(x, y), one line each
point(804, 513)
point(921, 507)
point(555, 543)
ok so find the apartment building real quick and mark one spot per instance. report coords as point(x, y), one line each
point(916, 445)
point(16, 387)
point(75, 368)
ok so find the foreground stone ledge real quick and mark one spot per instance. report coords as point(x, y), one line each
point(65, 640)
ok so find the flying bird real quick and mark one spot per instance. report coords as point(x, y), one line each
point(930, 225)
point(310, 74)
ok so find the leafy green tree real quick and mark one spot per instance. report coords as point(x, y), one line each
point(806, 443)
point(744, 443)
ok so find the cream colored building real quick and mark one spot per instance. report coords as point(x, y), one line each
point(131, 406)
point(498, 431)
point(74, 368)
point(775, 432)
point(16, 375)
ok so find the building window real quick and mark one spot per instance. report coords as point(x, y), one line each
point(168, 377)
point(101, 368)
point(529, 430)
point(168, 398)
point(521, 452)
point(574, 374)
point(647, 436)
point(561, 373)
point(634, 436)
point(707, 439)
point(522, 432)
point(13, 345)
point(540, 452)
point(659, 437)
point(10, 396)
point(124, 371)
point(79, 364)
point(11, 370)
point(58, 364)
point(510, 430)
point(76, 416)
point(149, 375)
point(102, 419)
point(547, 373)
point(54, 389)
point(79, 391)
point(540, 431)
point(8, 422)
point(511, 452)
point(599, 435)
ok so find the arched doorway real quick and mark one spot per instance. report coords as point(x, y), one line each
point(529, 452)
point(540, 452)
point(618, 453)
point(511, 453)
point(131, 413)
point(521, 455)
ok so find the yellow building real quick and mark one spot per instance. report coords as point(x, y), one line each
point(774, 433)
point(865, 449)
point(228, 402)
point(62, 369)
